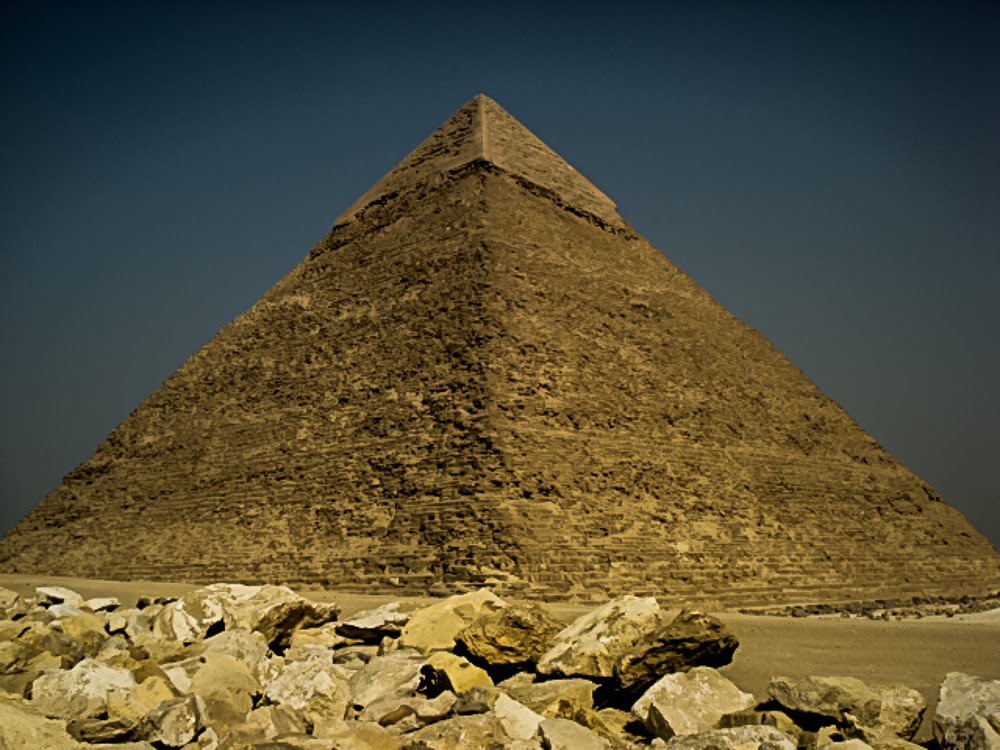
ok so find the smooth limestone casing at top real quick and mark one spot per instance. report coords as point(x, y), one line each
point(483, 375)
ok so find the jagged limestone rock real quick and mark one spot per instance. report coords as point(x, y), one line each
point(691, 639)
point(273, 611)
point(477, 700)
point(81, 692)
point(397, 673)
point(102, 730)
point(877, 738)
point(227, 689)
point(247, 647)
point(473, 730)
point(896, 709)
point(689, 702)
point(518, 721)
point(357, 735)
point(734, 738)
point(556, 697)
point(49, 595)
point(315, 687)
point(132, 622)
point(265, 723)
point(374, 625)
point(852, 744)
point(324, 636)
point(592, 644)
point(103, 604)
point(434, 628)
point(85, 629)
point(9, 600)
point(516, 636)
point(771, 718)
point(563, 734)
point(173, 723)
point(445, 671)
point(141, 699)
point(968, 713)
point(21, 726)
point(409, 713)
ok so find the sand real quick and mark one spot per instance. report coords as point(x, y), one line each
point(916, 653)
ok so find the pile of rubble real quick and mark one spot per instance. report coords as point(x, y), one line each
point(229, 666)
point(916, 607)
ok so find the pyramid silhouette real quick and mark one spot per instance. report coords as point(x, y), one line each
point(483, 375)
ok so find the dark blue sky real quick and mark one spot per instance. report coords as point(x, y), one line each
point(829, 171)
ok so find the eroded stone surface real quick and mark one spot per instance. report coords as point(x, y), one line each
point(435, 627)
point(689, 702)
point(735, 738)
point(592, 645)
point(563, 734)
point(515, 636)
point(895, 709)
point(81, 692)
point(968, 713)
point(21, 726)
point(691, 639)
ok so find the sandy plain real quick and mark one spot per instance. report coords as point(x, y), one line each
point(916, 653)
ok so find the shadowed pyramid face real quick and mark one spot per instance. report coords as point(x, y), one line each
point(483, 375)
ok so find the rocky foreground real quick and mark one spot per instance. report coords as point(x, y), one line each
point(230, 666)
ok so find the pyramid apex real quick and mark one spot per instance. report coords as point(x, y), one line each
point(483, 131)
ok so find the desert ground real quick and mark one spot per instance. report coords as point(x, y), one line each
point(916, 653)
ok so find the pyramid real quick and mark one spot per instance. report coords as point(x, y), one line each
point(484, 376)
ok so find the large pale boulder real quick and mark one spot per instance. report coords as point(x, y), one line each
point(734, 738)
point(434, 628)
point(21, 726)
point(273, 611)
point(81, 692)
point(592, 644)
point(373, 625)
point(563, 734)
point(968, 713)
point(516, 636)
point(48, 596)
point(691, 639)
point(689, 702)
point(315, 687)
point(393, 674)
point(895, 709)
